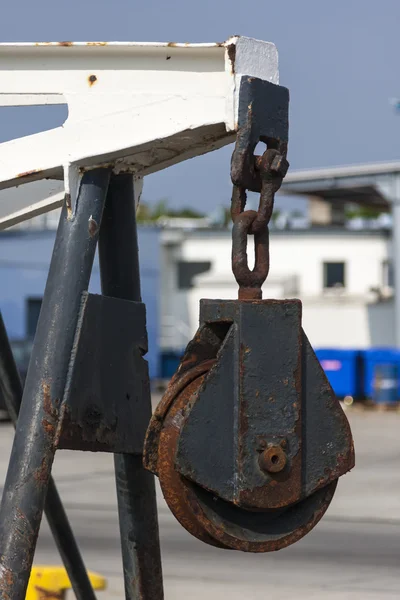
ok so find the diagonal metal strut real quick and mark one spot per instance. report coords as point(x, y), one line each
point(11, 388)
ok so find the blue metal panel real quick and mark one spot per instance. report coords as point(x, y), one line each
point(170, 360)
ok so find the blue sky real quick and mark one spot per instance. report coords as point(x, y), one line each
point(339, 59)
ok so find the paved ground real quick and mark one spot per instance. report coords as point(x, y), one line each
point(353, 554)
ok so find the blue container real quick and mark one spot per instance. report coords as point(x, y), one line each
point(169, 363)
point(343, 369)
point(381, 370)
point(386, 383)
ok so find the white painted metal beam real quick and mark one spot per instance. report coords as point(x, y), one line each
point(136, 106)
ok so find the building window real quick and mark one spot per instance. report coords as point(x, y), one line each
point(334, 275)
point(33, 306)
point(387, 274)
point(187, 270)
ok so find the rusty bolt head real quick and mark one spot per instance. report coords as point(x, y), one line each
point(273, 459)
point(272, 161)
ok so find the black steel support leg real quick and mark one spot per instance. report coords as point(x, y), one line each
point(120, 278)
point(41, 409)
point(11, 388)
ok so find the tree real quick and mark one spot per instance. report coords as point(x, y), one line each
point(365, 212)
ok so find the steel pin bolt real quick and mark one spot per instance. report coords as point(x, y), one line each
point(273, 459)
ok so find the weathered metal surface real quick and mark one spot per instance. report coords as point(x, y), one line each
point(257, 381)
point(258, 124)
point(137, 508)
point(215, 467)
point(248, 531)
point(241, 454)
point(40, 414)
point(11, 389)
point(270, 328)
point(220, 523)
point(199, 357)
point(108, 378)
point(174, 488)
point(150, 455)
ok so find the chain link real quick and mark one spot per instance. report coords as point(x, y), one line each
point(272, 167)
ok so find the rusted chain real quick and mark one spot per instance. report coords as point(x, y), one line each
point(271, 167)
point(250, 281)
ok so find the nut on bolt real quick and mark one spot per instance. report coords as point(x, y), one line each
point(272, 161)
point(280, 165)
point(273, 459)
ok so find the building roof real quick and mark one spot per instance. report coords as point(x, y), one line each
point(367, 169)
point(361, 184)
point(175, 236)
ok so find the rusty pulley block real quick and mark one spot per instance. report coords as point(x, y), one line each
point(249, 439)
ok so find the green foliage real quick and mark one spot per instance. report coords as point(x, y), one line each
point(365, 212)
point(150, 214)
point(143, 214)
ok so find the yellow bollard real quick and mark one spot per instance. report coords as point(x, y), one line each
point(51, 583)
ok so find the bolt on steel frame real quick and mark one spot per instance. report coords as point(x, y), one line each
point(133, 109)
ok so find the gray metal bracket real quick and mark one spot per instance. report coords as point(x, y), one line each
point(103, 408)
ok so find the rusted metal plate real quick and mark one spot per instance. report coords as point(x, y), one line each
point(250, 401)
point(211, 462)
point(199, 357)
point(282, 400)
point(174, 488)
point(152, 438)
point(102, 408)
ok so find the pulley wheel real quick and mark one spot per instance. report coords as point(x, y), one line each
point(216, 521)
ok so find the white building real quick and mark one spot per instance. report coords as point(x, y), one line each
point(343, 278)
